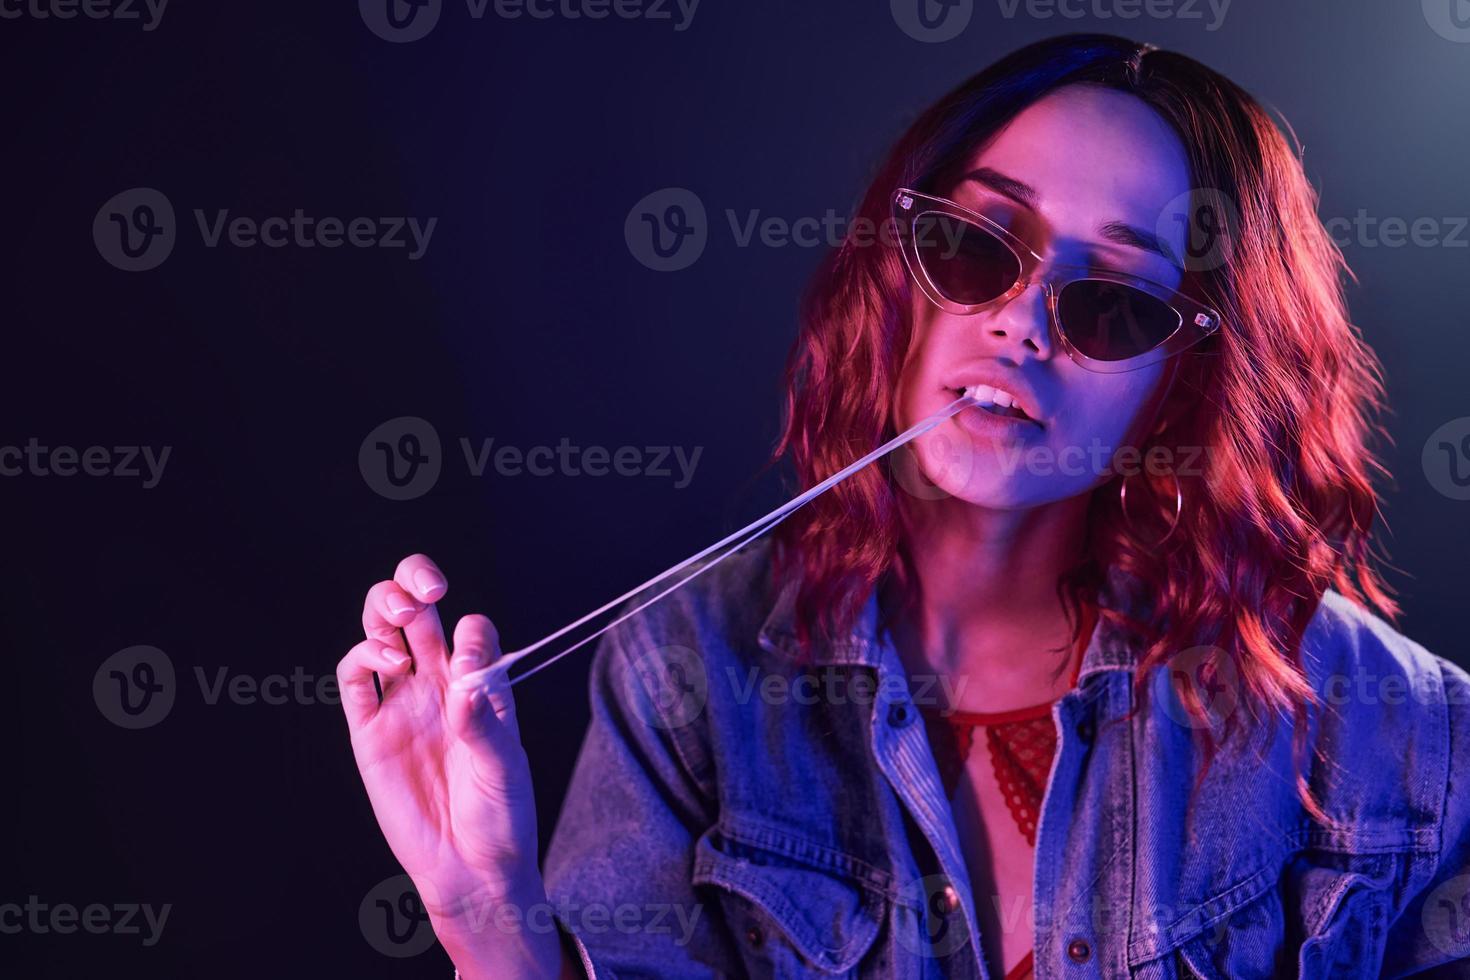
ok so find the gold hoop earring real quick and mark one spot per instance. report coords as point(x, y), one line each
point(1178, 506)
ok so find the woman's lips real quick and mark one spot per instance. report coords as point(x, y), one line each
point(989, 419)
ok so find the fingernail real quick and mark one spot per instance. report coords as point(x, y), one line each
point(429, 582)
point(396, 657)
point(398, 605)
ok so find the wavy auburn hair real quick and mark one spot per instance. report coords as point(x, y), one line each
point(1284, 399)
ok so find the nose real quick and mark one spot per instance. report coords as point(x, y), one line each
point(1023, 325)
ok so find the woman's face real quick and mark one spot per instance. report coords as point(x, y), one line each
point(1083, 175)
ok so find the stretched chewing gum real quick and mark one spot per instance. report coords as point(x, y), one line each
point(730, 543)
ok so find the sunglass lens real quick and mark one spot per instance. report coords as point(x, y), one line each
point(1110, 321)
point(964, 262)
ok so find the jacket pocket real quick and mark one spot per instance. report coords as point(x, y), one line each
point(792, 908)
point(1325, 915)
point(1342, 901)
point(1236, 934)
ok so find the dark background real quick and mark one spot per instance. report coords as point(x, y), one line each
point(528, 320)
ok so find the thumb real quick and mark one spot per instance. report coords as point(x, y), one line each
point(481, 709)
point(482, 713)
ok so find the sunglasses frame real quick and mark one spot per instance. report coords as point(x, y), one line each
point(1196, 320)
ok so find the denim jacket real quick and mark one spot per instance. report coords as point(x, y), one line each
point(736, 812)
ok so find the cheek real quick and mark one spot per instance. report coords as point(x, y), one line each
point(1104, 407)
point(919, 369)
point(923, 335)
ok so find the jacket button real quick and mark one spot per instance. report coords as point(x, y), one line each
point(754, 935)
point(1085, 731)
point(1079, 950)
point(900, 714)
point(949, 899)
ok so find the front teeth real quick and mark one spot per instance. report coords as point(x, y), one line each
point(986, 395)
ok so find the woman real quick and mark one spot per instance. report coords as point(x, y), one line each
point(1087, 685)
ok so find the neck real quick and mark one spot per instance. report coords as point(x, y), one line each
point(989, 617)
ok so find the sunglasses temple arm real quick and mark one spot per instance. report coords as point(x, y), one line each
point(734, 542)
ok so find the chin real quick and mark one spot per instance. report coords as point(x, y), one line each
point(1000, 494)
point(944, 470)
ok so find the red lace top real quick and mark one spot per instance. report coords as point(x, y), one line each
point(1020, 743)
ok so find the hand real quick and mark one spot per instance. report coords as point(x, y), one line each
point(441, 755)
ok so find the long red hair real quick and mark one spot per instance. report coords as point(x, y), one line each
point(1285, 402)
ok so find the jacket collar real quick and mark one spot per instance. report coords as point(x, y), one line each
point(1111, 646)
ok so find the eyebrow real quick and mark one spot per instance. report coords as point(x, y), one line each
point(1118, 232)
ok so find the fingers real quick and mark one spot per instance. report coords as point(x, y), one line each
point(482, 710)
point(386, 610)
point(401, 614)
point(420, 577)
point(420, 581)
point(476, 645)
point(355, 678)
